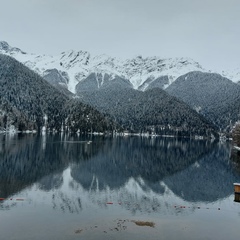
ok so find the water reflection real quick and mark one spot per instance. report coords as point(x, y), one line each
point(195, 171)
point(23, 160)
point(67, 183)
point(207, 180)
point(51, 182)
point(235, 159)
point(121, 159)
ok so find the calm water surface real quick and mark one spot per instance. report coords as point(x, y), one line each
point(65, 187)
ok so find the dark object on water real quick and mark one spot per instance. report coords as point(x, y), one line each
point(237, 192)
point(143, 223)
point(78, 231)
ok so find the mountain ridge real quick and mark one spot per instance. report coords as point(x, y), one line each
point(75, 66)
point(75, 72)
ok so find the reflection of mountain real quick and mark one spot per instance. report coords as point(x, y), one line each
point(152, 160)
point(27, 159)
point(192, 170)
point(50, 182)
point(209, 179)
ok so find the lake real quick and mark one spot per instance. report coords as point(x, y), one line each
point(74, 187)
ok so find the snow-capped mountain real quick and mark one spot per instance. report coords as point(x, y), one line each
point(71, 67)
point(234, 75)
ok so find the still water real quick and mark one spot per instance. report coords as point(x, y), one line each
point(71, 187)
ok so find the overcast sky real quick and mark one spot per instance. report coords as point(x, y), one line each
point(206, 30)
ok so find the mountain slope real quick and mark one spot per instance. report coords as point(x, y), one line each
point(215, 97)
point(59, 81)
point(98, 81)
point(11, 116)
point(150, 111)
point(29, 102)
point(72, 67)
point(29, 93)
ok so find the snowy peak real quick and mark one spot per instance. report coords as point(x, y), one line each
point(6, 48)
point(76, 66)
point(72, 58)
point(156, 63)
point(234, 75)
point(141, 70)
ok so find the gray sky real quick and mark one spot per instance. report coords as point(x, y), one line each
point(206, 30)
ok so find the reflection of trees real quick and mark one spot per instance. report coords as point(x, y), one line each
point(235, 159)
point(64, 203)
point(26, 159)
point(235, 154)
point(209, 179)
point(53, 181)
point(121, 159)
point(236, 134)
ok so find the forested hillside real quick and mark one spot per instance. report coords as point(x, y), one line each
point(215, 97)
point(28, 102)
point(79, 116)
point(150, 83)
point(152, 111)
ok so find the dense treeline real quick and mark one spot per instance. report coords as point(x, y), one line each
point(84, 118)
point(215, 97)
point(30, 94)
point(28, 102)
point(11, 116)
point(152, 111)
